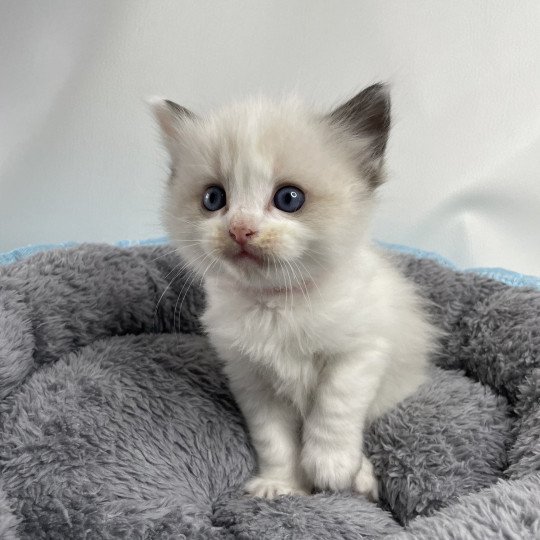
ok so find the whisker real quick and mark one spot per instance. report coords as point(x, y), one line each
point(283, 274)
point(175, 267)
point(163, 294)
point(267, 260)
point(192, 244)
point(310, 249)
point(291, 287)
point(304, 290)
point(293, 274)
point(311, 277)
point(163, 255)
point(318, 263)
point(190, 274)
point(194, 276)
point(305, 284)
point(273, 263)
point(171, 282)
point(286, 286)
point(208, 267)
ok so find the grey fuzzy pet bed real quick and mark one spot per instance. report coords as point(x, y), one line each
point(116, 421)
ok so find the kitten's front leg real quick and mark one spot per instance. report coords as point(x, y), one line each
point(332, 436)
point(274, 428)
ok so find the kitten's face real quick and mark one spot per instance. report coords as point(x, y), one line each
point(267, 195)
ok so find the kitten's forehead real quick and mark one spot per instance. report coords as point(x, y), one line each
point(240, 155)
point(260, 142)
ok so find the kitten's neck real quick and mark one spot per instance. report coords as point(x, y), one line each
point(275, 292)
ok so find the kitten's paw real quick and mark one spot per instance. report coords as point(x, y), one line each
point(365, 481)
point(330, 470)
point(269, 488)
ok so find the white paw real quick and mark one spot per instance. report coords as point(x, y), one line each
point(330, 470)
point(366, 481)
point(269, 488)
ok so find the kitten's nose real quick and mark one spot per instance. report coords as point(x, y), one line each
point(241, 233)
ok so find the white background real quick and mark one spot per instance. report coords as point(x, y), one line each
point(79, 153)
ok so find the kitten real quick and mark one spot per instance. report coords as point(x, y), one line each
point(319, 334)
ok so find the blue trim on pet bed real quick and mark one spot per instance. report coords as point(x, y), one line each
point(500, 274)
point(21, 253)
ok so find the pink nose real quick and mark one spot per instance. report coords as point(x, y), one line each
point(241, 233)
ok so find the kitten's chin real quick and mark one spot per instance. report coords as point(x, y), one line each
point(245, 267)
point(245, 257)
point(248, 270)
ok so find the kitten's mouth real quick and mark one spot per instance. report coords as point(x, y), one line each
point(245, 255)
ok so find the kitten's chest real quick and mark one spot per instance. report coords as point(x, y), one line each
point(281, 346)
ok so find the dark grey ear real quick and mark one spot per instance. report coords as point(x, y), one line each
point(367, 116)
point(170, 117)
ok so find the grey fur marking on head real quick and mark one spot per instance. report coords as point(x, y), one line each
point(116, 420)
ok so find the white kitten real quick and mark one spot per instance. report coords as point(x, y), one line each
point(318, 332)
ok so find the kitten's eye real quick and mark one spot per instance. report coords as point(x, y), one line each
point(214, 198)
point(289, 199)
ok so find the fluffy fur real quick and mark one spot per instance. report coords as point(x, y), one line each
point(319, 333)
point(115, 425)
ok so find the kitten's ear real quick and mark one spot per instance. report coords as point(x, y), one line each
point(171, 117)
point(367, 117)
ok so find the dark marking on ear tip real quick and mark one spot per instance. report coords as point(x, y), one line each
point(178, 110)
point(367, 116)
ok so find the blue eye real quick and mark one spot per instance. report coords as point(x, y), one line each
point(214, 198)
point(289, 199)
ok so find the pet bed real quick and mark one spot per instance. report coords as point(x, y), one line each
point(116, 420)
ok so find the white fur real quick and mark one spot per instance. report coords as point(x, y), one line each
point(324, 340)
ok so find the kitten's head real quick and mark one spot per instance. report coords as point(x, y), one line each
point(261, 191)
